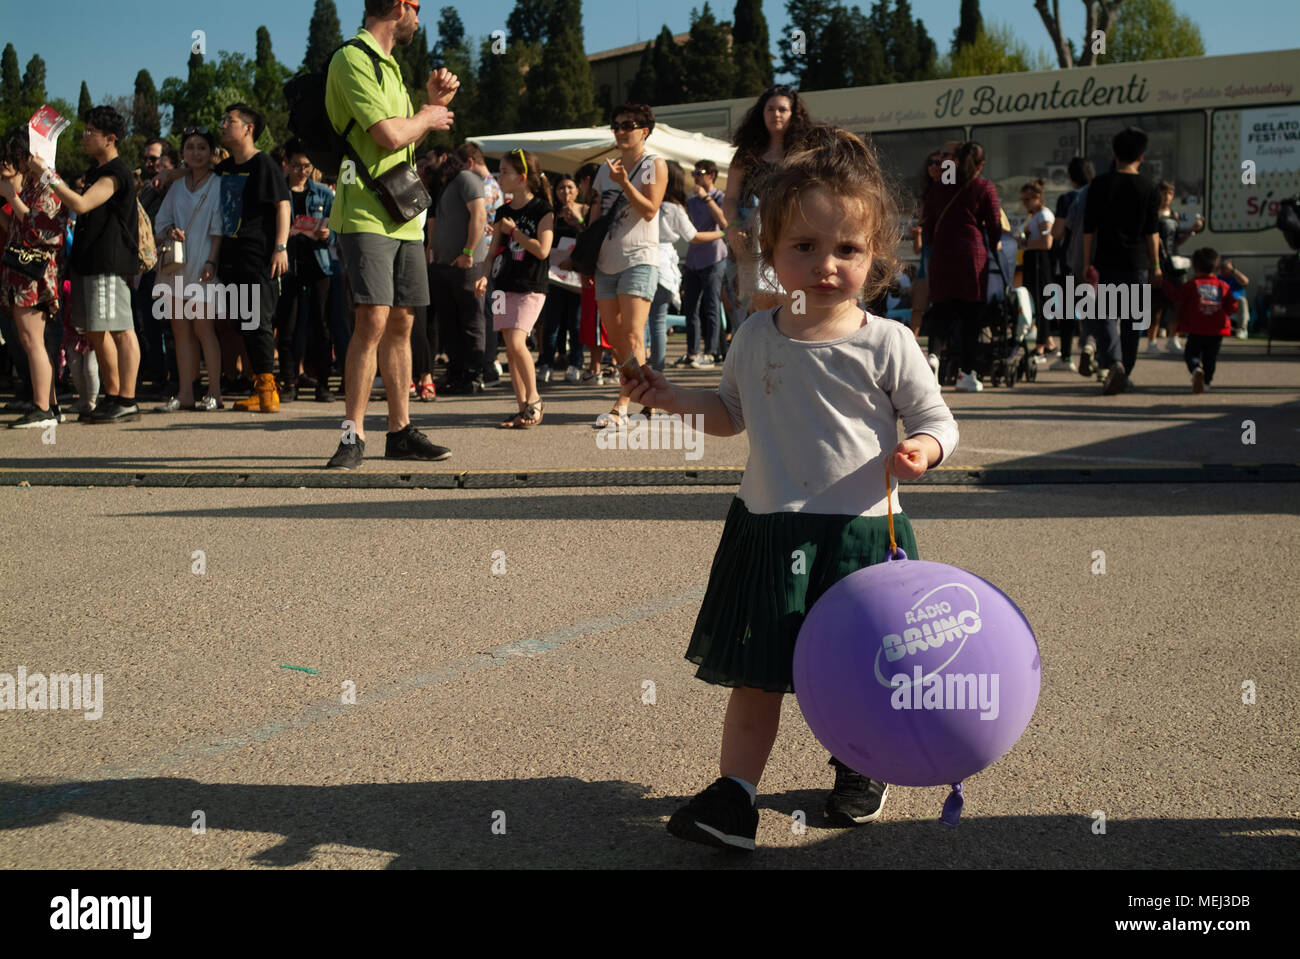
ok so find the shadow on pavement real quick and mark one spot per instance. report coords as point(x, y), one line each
point(564, 822)
point(921, 503)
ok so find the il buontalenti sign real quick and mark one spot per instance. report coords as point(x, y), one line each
point(985, 100)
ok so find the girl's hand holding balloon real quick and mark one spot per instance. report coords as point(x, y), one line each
point(911, 458)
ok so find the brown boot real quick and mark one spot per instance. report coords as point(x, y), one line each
point(265, 399)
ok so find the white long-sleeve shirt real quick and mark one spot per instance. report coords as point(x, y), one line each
point(822, 417)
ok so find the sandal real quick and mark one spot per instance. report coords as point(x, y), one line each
point(613, 420)
point(428, 392)
point(516, 422)
point(532, 414)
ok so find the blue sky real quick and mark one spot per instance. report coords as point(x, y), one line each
point(106, 42)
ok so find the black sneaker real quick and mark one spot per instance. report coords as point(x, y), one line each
point(1116, 381)
point(855, 799)
point(116, 410)
point(1085, 360)
point(408, 443)
point(323, 394)
point(35, 420)
point(348, 456)
point(723, 816)
point(463, 387)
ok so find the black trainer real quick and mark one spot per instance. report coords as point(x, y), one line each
point(117, 410)
point(348, 456)
point(855, 799)
point(36, 419)
point(408, 443)
point(723, 816)
point(462, 387)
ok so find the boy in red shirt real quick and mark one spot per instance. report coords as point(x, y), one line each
point(1205, 307)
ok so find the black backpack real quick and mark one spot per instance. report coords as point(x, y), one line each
point(309, 121)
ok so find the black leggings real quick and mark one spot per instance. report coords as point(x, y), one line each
point(1202, 351)
point(295, 290)
point(955, 324)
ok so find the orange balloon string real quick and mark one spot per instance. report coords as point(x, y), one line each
point(889, 504)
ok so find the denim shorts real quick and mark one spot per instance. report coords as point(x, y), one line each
point(641, 280)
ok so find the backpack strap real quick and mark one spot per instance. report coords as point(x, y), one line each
point(379, 74)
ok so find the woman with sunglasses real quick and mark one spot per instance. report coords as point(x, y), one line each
point(191, 213)
point(627, 270)
point(774, 126)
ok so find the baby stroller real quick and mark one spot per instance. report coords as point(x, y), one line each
point(1006, 341)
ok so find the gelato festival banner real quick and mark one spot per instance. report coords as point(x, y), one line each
point(1255, 165)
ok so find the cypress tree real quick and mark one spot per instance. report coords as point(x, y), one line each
point(144, 108)
point(560, 90)
point(969, 27)
point(710, 69)
point(811, 17)
point(84, 103)
point(751, 48)
point(323, 36)
point(11, 82)
point(669, 70)
point(500, 83)
point(642, 88)
point(33, 85)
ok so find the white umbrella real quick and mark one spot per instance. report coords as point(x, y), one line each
point(563, 151)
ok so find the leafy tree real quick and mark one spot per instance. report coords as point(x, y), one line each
point(560, 91)
point(144, 107)
point(84, 103)
point(530, 21)
point(706, 58)
point(323, 36)
point(968, 28)
point(451, 38)
point(810, 17)
point(201, 99)
point(751, 49)
point(996, 49)
point(1099, 15)
point(669, 68)
point(11, 82)
point(500, 85)
point(1152, 30)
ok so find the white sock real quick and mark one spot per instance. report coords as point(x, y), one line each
point(749, 788)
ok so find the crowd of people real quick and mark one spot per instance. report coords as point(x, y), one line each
point(493, 253)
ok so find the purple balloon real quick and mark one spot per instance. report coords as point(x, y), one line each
point(916, 673)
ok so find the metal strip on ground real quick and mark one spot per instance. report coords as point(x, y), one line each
point(646, 476)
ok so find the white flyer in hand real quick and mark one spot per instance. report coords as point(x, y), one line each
point(560, 252)
point(43, 133)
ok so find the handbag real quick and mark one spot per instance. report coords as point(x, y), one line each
point(400, 189)
point(171, 253)
point(29, 262)
point(587, 249)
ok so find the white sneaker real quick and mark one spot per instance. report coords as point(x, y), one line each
point(544, 374)
point(934, 365)
point(1242, 333)
point(1175, 344)
point(496, 365)
point(969, 383)
point(1064, 365)
point(573, 375)
point(1153, 347)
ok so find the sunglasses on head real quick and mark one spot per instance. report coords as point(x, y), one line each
point(523, 161)
point(190, 131)
point(627, 126)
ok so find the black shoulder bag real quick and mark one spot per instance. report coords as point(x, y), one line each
point(586, 250)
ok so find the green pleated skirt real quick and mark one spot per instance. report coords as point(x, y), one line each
point(769, 570)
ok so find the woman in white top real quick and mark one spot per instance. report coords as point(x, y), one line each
point(628, 265)
point(191, 213)
point(674, 224)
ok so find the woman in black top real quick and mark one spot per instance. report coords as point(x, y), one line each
point(524, 230)
point(560, 348)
